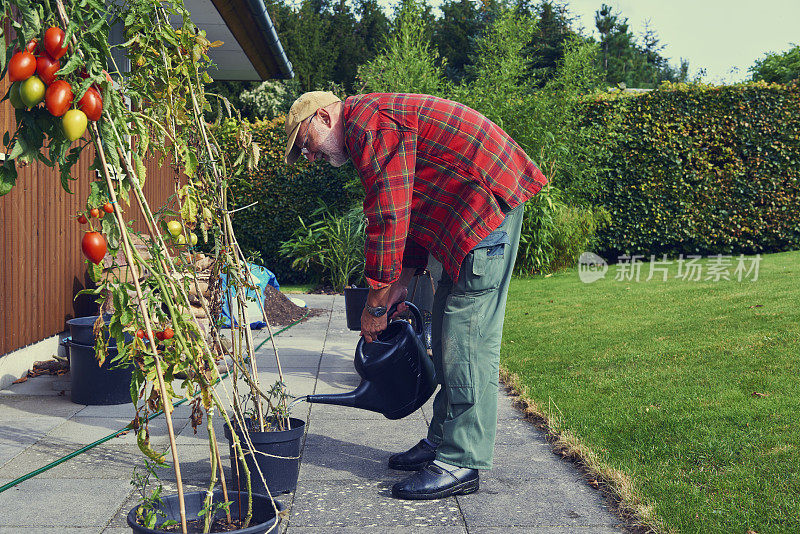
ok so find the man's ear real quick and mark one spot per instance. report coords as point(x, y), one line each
point(324, 116)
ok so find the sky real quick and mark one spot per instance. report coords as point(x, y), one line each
point(725, 37)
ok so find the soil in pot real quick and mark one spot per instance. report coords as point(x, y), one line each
point(280, 474)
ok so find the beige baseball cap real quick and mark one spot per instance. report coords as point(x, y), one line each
point(303, 108)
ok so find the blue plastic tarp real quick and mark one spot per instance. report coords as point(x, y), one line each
point(263, 277)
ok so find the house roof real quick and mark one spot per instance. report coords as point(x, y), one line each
point(251, 49)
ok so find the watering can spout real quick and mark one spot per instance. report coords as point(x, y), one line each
point(361, 397)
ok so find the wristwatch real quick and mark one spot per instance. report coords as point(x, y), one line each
point(375, 311)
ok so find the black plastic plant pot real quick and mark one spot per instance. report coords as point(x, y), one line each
point(355, 298)
point(280, 473)
point(81, 330)
point(96, 385)
point(263, 512)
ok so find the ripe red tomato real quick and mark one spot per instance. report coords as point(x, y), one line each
point(94, 212)
point(54, 41)
point(160, 336)
point(108, 208)
point(58, 98)
point(91, 103)
point(46, 68)
point(140, 334)
point(32, 45)
point(94, 246)
point(22, 66)
point(82, 219)
point(168, 333)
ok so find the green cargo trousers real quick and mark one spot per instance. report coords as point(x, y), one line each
point(467, 327)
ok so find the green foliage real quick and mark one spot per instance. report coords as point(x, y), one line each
point(332, 246)
point(408, 64)
point(554, 233)
point(266, 100)
point(283, 193)
point(778, 68)
point(700, 169)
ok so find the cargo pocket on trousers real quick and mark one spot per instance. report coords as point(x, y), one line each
point(483, 267)
point(458, 347)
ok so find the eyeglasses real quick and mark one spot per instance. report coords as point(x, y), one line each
point(304, 147)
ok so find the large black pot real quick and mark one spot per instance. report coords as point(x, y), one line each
point(96, 385)
point(81, 330)
point(263, 512)
point(280, 474)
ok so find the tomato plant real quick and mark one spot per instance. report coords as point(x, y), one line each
point(46, 68)
point(92, 104)
point(59, 98)
point(32, 91)
point(108, 208)
point(82, 219)
point(94, 246)
point(94, 212)
point(54, 42)
point(22, 66)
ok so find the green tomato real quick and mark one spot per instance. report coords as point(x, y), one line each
point(181, 239)
point(13, 96)
point(32, 90)
point(175, 228)
point(74, 124)
point(192, 238)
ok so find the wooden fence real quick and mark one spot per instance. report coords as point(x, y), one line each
point(42, 265)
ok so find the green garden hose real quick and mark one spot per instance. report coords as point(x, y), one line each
point(122, 430)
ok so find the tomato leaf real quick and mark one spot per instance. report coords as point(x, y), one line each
point(71, 66)
point(8, 176)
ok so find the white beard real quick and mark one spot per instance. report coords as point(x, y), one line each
point(331, 152)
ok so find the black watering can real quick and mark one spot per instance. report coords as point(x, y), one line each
point(397, 375)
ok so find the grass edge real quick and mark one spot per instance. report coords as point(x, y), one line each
point(612, 482)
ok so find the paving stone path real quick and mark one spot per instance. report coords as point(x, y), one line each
point(344, 484)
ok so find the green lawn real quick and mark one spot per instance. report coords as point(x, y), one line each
point(691, 388)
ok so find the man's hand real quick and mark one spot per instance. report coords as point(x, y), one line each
point(395, 293)
point(372, 326)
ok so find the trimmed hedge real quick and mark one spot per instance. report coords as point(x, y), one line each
point(283, 193)
point(699, 169)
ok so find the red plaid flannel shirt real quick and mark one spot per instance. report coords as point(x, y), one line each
point(433, 171)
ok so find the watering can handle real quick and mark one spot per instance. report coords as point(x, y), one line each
point(414, 311)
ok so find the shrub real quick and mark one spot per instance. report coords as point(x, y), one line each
point(332, 247)
point(700, 169)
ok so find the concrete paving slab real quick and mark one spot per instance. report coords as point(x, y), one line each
point(365, 504)
point(555, 501)
point(9, 452)
point(381, 529)
point(14, 407)
point(47, 502)
point(546, 530)
point(359, 449)
point(104, 461)
point(50, 530)
point(85, 430)
point(27, 430)
point(46, 386)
